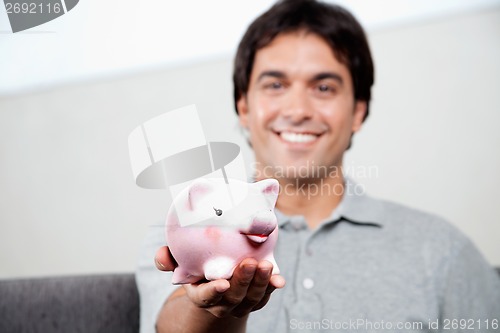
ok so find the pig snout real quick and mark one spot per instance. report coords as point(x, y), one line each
point(262, 226)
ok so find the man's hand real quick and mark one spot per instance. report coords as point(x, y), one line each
point(248, 289)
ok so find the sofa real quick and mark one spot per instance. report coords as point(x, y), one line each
point(71, 304)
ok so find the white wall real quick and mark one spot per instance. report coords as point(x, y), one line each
point(100, 39)
point(68, 203)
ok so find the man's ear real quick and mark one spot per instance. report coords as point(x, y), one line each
point(359, 115)
point(242, 111)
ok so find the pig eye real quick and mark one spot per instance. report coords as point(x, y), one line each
point(218, 212)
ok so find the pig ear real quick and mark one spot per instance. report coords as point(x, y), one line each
point(197, 190)
point(270, 188)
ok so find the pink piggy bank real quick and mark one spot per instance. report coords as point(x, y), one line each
point(213, 225)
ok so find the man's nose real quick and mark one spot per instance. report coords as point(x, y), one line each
point(297, 106)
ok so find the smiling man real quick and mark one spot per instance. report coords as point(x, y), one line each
point(303, 75)
point(300, 112)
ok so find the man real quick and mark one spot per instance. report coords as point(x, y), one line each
point(303, 74)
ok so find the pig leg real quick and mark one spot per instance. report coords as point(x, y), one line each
point(181, 276)
point(219, 268)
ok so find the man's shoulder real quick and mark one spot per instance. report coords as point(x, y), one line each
point(405, 220)
point(388, 213)
point(437, 253)
point(396, 212)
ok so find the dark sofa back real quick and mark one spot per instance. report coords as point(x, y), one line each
point(71, 304)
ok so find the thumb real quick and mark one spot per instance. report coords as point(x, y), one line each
point(164, 260)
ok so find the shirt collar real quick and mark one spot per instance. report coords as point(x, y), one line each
point(355, 207)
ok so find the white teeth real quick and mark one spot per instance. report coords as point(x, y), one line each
point(296, 137)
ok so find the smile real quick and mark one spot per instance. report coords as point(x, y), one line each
point(298, 137)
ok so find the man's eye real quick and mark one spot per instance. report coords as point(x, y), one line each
point(274, 85)
point(324, 88)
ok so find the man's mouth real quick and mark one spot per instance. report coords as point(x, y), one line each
point(293, 137)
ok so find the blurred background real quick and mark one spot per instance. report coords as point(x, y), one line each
point(71, 91)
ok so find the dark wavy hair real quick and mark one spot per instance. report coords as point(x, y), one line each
point(333, 23)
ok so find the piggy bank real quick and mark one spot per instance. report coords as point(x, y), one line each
point(213, 224)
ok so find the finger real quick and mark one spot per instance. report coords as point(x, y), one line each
point(207, 294)
point(259, 283)
point(277, 281)
point(262, 302)
point(257, 289)
point(241, 280)
point(164, 260)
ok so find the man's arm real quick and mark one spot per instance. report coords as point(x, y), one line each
point(220, 305)
point(471, 288)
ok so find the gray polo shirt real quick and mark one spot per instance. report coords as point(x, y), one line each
point(372, 266)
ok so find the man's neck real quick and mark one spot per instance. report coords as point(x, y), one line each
point(314, 199)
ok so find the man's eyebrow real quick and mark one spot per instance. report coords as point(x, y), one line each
point(276, 74)
point(328, 75)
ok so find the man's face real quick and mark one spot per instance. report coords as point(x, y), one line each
point(299, 109)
